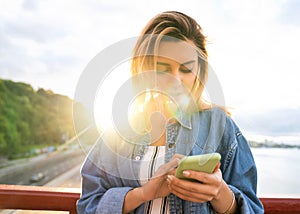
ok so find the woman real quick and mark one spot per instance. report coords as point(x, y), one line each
point(134, 171)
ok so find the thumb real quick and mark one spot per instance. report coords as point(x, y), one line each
point(217, 167)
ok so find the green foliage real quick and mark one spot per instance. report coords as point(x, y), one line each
point(33, 118)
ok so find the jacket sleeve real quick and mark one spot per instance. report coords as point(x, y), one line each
point(98, 194)
point(239, 170)
point(101, 192)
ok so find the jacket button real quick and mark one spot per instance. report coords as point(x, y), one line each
point(137, 158)
point(171, 145)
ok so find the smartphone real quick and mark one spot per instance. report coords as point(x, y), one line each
point(204, 163)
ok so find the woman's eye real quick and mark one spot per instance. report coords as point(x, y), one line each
point(185, 69)
point(162, 68)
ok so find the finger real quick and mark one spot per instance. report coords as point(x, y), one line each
point(173, 163)
point(187, 190)
point(172, 172)
point(168, 167)
point(180, 156)
point(218, 175)
point(200, 198)
point(191, 189)
point(185, 186)
point(204, 177)
point(196, 175)
point(217, 167)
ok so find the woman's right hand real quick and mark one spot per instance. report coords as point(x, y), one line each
point(157, 186)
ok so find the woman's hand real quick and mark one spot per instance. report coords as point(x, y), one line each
point(207, 189)
point(211, 187)
point(157, 186)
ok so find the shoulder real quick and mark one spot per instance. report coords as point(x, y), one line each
point(213, 112)
point(220, 121)
point(216, 118)
point(218, 115)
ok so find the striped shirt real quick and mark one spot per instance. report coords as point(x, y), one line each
point(152, 160)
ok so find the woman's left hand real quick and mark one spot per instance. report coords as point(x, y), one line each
point(207, 189)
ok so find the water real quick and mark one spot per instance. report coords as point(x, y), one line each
point(278, 171)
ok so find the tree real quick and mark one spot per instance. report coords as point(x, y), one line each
point(32, 118)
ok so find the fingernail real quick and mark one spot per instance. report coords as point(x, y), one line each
point(169, 179)
point(186, 173)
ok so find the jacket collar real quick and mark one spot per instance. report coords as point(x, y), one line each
point(184, 119)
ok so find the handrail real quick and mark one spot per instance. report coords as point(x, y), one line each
point(38, 198)
point(283, 204)
point(64, 199)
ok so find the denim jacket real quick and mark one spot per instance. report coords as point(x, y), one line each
point(112, 166)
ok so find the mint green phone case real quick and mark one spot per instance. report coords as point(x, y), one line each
point(204, 163)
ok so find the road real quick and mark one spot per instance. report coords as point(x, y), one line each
point(60, 168)
point(50, 165)
point(69, 179)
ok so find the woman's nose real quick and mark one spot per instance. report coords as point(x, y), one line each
point(177, 75)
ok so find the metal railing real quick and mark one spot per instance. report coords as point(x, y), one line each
point(64, 199)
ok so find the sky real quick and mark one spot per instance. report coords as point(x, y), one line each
point(253, 46)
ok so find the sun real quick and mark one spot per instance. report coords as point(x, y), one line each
point(106, 92)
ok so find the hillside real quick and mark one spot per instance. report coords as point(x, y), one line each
point(30, 118)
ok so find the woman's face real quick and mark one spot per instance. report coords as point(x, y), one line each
point(179, 59)
point(177, 66)
point(172, 85)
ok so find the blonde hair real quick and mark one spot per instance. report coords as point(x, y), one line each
point(172, 26)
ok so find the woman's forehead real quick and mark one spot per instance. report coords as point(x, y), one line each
point(181, 51)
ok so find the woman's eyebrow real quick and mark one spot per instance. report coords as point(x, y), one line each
point(163, 63)
point(188, 62)
point(185, 63)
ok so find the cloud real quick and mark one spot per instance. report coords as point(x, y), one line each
point(11, 57)
point(33, 29)
point(33, 45)
point(276, 122)
point(290, 14)
point(56, 62)
point(5, 44)
point(249, 46)
point(253, 48)
point(30, 5)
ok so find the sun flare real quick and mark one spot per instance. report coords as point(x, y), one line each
point(105, 95)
